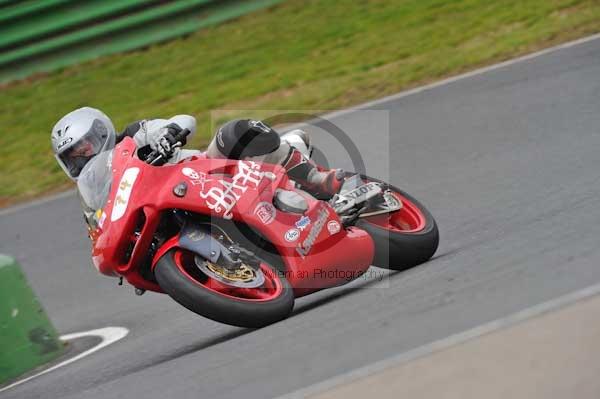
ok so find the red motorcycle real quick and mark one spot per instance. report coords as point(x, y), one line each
point(237, 241)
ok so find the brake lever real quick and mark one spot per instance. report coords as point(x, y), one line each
point(180, 140)
point(160, 156)
point(155, 160)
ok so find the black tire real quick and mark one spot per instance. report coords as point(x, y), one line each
point(220, 308)
point(400, 251)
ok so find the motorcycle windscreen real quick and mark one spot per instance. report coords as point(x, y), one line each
point(95, 180)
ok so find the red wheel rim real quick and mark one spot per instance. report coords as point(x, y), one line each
point(271, 288)
point(409, 219)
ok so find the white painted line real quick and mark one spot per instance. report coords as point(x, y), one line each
point(466, 75)
point(452, 79)
point(109, 335)
point(379, 101)
point(445, 343)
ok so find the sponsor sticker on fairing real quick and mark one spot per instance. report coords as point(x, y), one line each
point(265, 212)
point(303, 222)
point(222, 200)
point(292, 235)
point(196, 178)
point(333, 226)
point(304, 248)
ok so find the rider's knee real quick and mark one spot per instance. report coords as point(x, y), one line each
point(243, 138)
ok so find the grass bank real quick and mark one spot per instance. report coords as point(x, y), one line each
point(315, 54)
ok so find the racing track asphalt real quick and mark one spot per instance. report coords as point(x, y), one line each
point(507, 161)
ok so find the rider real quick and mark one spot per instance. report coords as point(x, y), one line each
point(84, 133)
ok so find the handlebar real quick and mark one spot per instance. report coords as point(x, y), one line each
point(177, 141)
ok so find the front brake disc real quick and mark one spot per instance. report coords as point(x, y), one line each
point(243, 276)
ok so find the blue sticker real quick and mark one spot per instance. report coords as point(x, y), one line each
point(303, 222)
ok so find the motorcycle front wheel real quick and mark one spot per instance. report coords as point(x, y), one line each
point(225, 296)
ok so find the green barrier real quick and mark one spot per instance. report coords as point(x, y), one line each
point(8, 3)
point(79, 13)
point(110, 27)
point(154, 25)
point(27, 338)
point(22, 9)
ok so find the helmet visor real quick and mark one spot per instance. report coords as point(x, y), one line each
point(88, 146)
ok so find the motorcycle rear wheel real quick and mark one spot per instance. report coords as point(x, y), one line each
point(404, 238)
point(179, 277)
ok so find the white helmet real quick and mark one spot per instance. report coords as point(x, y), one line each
point(79, 136)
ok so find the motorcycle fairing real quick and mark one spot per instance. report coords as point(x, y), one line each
point(227, 189)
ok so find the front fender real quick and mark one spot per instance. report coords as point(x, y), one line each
point(171, 243)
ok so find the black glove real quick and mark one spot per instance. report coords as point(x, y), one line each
point(173, 130)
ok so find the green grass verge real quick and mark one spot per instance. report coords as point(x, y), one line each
point(315, 54)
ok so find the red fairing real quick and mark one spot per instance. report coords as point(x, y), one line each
point(316, 250)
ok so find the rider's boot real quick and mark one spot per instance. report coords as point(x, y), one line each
point(320, 182)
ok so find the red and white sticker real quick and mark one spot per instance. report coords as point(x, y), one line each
point(223, 199)
point(333, 226)
point(196, 178)
point(265, 212)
